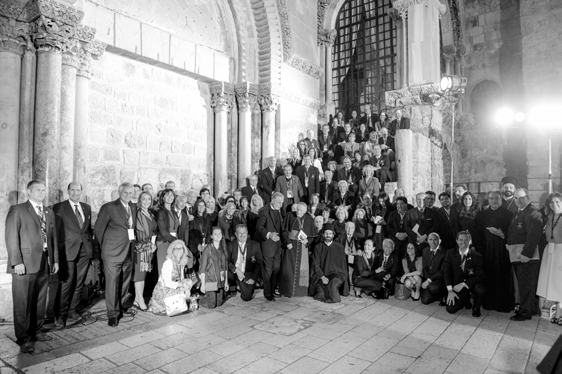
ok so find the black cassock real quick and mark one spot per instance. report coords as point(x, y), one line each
point(295, 268)
point(499, 287)
point(331, 262)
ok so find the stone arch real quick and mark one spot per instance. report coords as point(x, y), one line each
point(483, 97)
point(269, 38)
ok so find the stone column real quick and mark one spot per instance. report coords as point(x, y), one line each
point(70, 62)
point(27, 117)
point(449, 52)
point(269, 103)
point(222, 96)
point(404, 160)
point(10, 63)
point(47, 110)
point(246, 96)
point(400, 51)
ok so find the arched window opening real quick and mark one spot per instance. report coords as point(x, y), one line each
point(485, 98)
point(364, 55)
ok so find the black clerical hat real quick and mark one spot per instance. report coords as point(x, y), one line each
point(512, 180)
point(329, 226)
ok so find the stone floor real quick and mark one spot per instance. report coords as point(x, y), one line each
point(296, 335)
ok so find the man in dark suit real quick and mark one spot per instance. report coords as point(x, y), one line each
point(31, 241)
point(312, 143)
point(244, 263)
point(327, 187)
point(309, 178)
point(290, 187)
point(445, 229)
point(508, 188)
point(269, 229)
point(115, 231)
point(350, 174)
point(267, 179)
point(384, 164)
point(75, 235)
point(396, 228)
point(387, 142)
point(369, 119)
point(463, 271)
point(523, 237)
point(326, 144)
point(388, 266)
point(253, 188)
point(433, 285)
point(419, 222)
point(400, 123)
point(183, 217)
point(344, 198)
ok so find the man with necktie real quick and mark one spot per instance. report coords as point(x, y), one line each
point(463, 271)
point(269, 229)
point(290, 187)
point(252, 189)
point(244, 263)
point(31, 241)
point(115, 231)
point(433, 285)
point(309, 178)
point(75, 246)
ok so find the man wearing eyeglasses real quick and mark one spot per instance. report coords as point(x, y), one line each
point(523, 238)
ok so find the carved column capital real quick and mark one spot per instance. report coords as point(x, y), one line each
point(269, 102)
point(89, 52)
point(13, 35)
point(49, 35)
point(327, 37)
point(222, 96)
point(246, 96)
point(71, 53)
point(52, 9)
point(396, 17)
point(449, 52)
point(402, 6)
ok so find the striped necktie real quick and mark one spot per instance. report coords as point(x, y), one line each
point(43, 222)
point(78, 216)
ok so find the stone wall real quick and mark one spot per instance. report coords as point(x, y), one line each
point(147, 124)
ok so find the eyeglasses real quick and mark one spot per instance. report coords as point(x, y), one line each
point(519, 197)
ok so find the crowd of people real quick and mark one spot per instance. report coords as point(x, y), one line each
point(317, 224)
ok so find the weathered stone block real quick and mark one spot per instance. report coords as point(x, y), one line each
point(111, 154)
point(165, 146)
point(187, 149)
point(97, 135)
point(101, 87)
point(148, 175)
point(102, 177)
point(153, 143)
point(94, 155)
point(158, 159)
point(141, 111)
point(123, 123)
point(492, 17)
point(128, 175)
point(144, 159)
point(114, 137)
point(127, 33)
point(111, 105)
point(155, 43)
point(198, 181)
point(204, 64)
point(131, 157)
point(134, 139)
point(176, 160)
point(479, 39)
point(167, 174)
point(102, 19)
point(186, 178)
point(173, 131)
point(176, 146)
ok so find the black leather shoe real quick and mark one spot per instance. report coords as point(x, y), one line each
point(476, 312)
point(468, 305)
point(59, 323)
point(73, 317)
point(41, 337)
point(270, 298)
point(519, 317)
point(442, 303)
point(113, 322)
point(27, 347)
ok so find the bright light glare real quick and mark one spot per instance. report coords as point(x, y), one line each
point(446, 83)
point(519, 117)
point(546, 116)
point(504, 116)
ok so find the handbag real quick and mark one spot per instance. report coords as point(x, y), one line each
point(401, 292)
point(383, 293)
point(175, 305)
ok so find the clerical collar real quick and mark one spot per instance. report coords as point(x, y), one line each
point(328, 244)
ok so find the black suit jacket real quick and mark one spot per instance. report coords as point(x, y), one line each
point(70, 235)
point(247, 191)
point(254, 259)
point(313, 179)
point(24, 240)
point(183, 229)
point(446, 229)
point(433, 264)
point(392, 266)
point(428, 222)
point(390, 142)
point(347, 199)
point(328, 142)
point(332, 187)
point(403, 125)
point(473, 269)
point(269, 220)
point(111, 230)
point(526, 228)
point(266, 182)
point(342, 175)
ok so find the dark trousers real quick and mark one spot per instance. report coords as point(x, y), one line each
point(368, 285)
point(435, 291)
point(330, 291)
point(270, 272)
point(528, 277)
point(478, 290)
point(246, 290)
point(73, 277)
point(29, 292)
point(117, 279)
point(53, 297)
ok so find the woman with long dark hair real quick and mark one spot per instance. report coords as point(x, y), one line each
point(213, 271)
point(199, 228)
point(168, 224)
point(466, 219)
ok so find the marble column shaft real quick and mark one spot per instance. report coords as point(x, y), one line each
point(47, 121)
point(221, 103)
point(269, 104)
point(82, 104)
point(67, 118)
point(404, 160)
point(329, 95)
point(246, 102)
point(27, 117)
point(10, 70)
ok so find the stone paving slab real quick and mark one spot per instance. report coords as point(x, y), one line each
point(292, 335)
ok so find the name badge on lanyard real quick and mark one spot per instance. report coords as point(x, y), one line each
point(131, 233)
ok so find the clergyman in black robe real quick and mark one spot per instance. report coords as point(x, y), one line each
point(492, 225)
point(299, 230)
point(329, 269)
